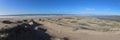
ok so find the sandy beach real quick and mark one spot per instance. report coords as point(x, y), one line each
point(59, 28)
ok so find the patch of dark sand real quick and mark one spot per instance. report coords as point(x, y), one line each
point(24, 31)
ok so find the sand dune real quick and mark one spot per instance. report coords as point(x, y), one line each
point(59, 28)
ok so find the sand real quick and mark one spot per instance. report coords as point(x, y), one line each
point(59, 28)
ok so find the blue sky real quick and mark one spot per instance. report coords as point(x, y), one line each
point(88, 7)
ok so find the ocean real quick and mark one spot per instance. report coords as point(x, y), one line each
point(107, 17)
point(34, 15)
point(56, 15)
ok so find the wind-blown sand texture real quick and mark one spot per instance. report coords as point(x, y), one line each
point(59, 28)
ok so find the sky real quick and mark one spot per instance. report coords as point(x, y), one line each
point(86, 7)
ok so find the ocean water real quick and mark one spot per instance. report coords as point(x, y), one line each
point(105, 17)
point(33, 16)
point(53, 15)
